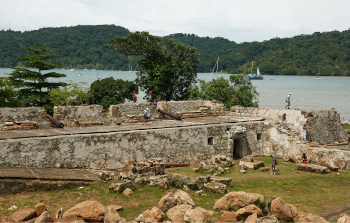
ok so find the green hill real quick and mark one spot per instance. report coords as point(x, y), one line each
point(300, 55)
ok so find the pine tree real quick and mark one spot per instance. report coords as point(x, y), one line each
point(33, 86)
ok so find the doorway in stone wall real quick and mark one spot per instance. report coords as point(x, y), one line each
point(237, 148)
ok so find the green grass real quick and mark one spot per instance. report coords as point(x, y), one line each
point(346, 126)
point(307, 191)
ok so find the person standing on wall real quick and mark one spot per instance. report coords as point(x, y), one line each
point(133, 96)
point(288, 100)
point(304, 130)
point(150, 96)
point(284, 121)
point(146, 115)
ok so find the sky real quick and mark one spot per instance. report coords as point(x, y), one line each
point(239, 21)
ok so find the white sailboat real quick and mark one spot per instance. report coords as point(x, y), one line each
point(217, 67)
point(71, 68)
point(318, 75)
point(97, 72)
point(79, 74)
point(256, 76)
point(84, 67)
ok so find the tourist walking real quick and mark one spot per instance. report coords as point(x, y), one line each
point(133, 96)
point(146, 115)
point(134, 170)
point(288, 100)
point(155, 102)
point(304, 130)
point(284, 121)
point(274, 162)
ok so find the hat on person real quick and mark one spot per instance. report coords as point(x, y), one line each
point(147, 109)
point(290, 93)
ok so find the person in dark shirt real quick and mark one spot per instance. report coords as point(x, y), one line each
point(134, 169)
point(304, 157)
point(273, 165)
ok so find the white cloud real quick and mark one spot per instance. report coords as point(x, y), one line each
point(248, 20)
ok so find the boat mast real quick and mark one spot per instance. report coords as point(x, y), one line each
point(97, 70)
point(217, 67)
point(251, 69)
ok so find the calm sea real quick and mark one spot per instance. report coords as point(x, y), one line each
point(307, 93)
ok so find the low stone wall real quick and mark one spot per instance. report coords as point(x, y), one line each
point(32, 114)
point(117, 149)
point(79, 113)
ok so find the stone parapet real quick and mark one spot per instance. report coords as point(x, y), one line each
point(27, 114)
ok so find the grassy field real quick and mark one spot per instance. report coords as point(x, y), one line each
point(307, 191)
point(346, 126)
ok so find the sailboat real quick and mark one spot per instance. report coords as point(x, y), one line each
point(97, 72)
point(217, 67)
point(71, 68)
point(78, 74)
point(84, 67)
point(317, 75)
point(256, 76)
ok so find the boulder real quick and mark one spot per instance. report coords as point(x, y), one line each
point(343, 218)
point(240, 199)
point(216, 187)
point(173, 198)
point(283, 210)
point(242, 166)
point(177, 213)
point(58, 214)
point(267, 219)
point(262, 169)
point(23, 214)
point(203, 179)
point(198, 215)
point(45, 217)
point(227, 217)
point(6, 219)
point(252, 218)
point(111, 215)
point(120, 187)
point(160, 182)
point(197, 193)
point(151, 215)
point(195, 170)
point(70, 219)
point(252, 165)
point(243, 171)
point(223, 180)
point(247, 159)
point(179, 180)
point(40, 208)
point(128, 192)
point(311, 168)
point(90, 211)
point(243, 213)
point(313, 218)
point(142, 180)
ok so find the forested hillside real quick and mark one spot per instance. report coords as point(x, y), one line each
point(300, 55)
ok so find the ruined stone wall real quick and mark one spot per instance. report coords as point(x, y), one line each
point(80, 113)
point(122, 111)
point(33, 114)
point(117, 149)
point(325, 126)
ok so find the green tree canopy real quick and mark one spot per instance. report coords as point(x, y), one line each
point(8, 95)
point(109, 91)
point(33, 86)
point(72, 94)
point(238, 90)
point(167, 67)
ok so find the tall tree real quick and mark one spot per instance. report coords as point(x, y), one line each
point(8, 95)
point(33, 86)
point(167, 67)
point(109, 91)
point(238, 90)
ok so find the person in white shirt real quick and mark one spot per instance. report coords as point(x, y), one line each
point(304, 130)
point(146, 115)
point(288, 100)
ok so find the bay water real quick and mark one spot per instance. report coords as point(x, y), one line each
point(307, 93)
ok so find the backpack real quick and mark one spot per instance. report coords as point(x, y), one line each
point(276, 161)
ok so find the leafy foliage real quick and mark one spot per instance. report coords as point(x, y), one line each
point(8, 95)
point(34, 86)
point(238, 90)
point(72, 94)
point(167, 67)
point(300, 55)
point(109, 91)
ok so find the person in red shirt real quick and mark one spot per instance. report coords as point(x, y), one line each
point(150, 96)
point(133, 96)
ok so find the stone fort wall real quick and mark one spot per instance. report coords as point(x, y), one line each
point(32, 114)
point(117, 149)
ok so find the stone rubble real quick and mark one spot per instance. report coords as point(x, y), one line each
point(312, 168)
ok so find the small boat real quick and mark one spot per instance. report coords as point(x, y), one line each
point(79, 74)
point(84, 67)
point(318, 75)
point(256, 76)
point(217, 67)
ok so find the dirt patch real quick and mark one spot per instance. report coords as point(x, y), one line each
point(334, 212)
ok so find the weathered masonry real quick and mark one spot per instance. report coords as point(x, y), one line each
point(206, 130)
